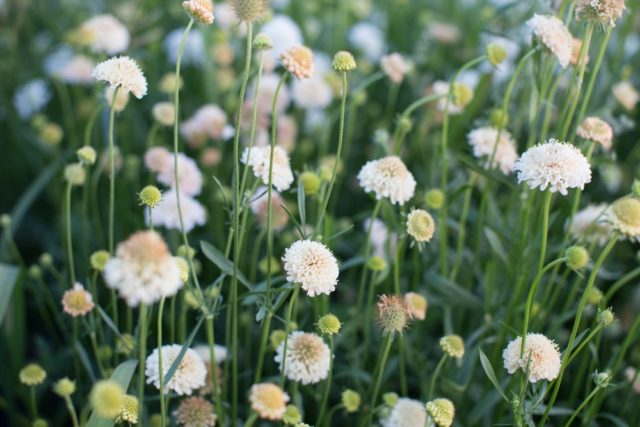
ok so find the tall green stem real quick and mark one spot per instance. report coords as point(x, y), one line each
point(212, 366)
point(584, 403)
point(142, 354)
point(283, 367)
point(163, 415)
point(388, 340)
point(327, 385)
point(72, 270)
point(112, 170)
point(434, 377)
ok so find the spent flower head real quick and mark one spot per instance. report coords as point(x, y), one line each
point(393, 314)
point(249, 10)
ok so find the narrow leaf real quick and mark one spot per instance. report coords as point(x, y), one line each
point(488, 369)
point(302, 208)
point(8, 277)
point(183, 350)
point(223, 263)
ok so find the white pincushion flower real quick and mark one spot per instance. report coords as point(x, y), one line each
point(124, 73)
point(388, 177)
point(312, 265)
point(30, 98)
point(555, 165)
point(158, 159)
point(189, 175)
point(259, 158)
point(406, 413)
point(105, 34)
point(219, 352)
point(589, 225)
point(626, 94)
point(166, 213)
point(268, 400)
point(143, 270)
point(368, 39)
point(190, 375)
point(209, 121)
point(540, 355)
point(313, 93)
point(308, 358)
point(596, 130)
point(554, 35)
point(164, 113)
point(624, 217)
point(483, 140)
point(78, 71)
point(394, 66)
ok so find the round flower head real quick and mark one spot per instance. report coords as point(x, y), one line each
point(259, 158)
point(262, 42)
point(420, 225)
point(624, 217)
point(104, 34)
point(292, 416)
point(553, 34)
point(351, 400)
point(312, 265)
point(129, 411)
point(555, 165)
point(64, 387)
point(190, 375)
point(99, 260)
point(200, 10)
point(626, 94)
point(298, 60)
point(441, 411)
point(150, 196)
point(166, 213)
point(77, 301)
point(486, 144)
point(393, 314)
point(158, 160)
point(590, 225)
point(307, 358)
point(75, 174)
point(117, 100)
point(209, 121)
point(124, 73)
point(496, 53)
point(329, 324)
point(164, 113)
point(32, 374)
point(195, 411)
point(268, 401)
point(344, 62)
point(189, 175)
point(416, 304)
point(577, 257)
point(249, 10)
point(462, 96)
point(452, 346)
point(388, 177)
point(143, 270)
point(394, 66)
point(406, 413)
point(606, 12)
point(107, 398)
point(541, 356)
point(596, 130)
point(86, 155)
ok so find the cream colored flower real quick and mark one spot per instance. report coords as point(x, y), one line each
point(104, 34)
point(486, 144)
point(268, 401)
point(190, 375)
point(259, 159)
point(124, 73)
point(394, 66)
point(606, 12)
point(420, 225)
point(312, 265)
point(552, 32)
point(540, 359)
point(164, 113)
point(298, 60)
point(626, 94)
point(166, 214)
point(406, 413)
point(596, 130)
point(590, 225)
point(195, 411)
point(441, 411)
point(200, 10)
point(388, 178)
point(77, 301)
point(307, 358)
point(624, 217)
point(416, 304)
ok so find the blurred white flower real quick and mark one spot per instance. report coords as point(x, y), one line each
point(307, 359)
point(406, 413)
point(194, 48)
point(368, 39)
point(31, 98)
point(283, 32)
point(190, 375)
point(166, 213)
point(189, 175)
point(105, 34)
point(313, 93)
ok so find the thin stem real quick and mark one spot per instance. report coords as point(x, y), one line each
point(434, 377)
point(251, 420)
point(34, 405)
point(343, 108)
point(213, 365)
point(576, 323)
point(72, 411)
point(400, 132)
point(112, 170)
point(142, 354)
point(163, 419)
point(463, 226)
point(367, 247)
point(388, 340)
point(72, 270)
point(619, 284)
point(283, 367)
point(327, 384)
point(545, 228)
point(582, 405)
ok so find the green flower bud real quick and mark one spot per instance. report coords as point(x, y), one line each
point(64, 387)
point(577, 257)
point(311, 182)
point(262, 42)
point(344, 62)
point(351, 400)
point(434, 198)
point(329, 324)
point(496, 54)
point(376, 263)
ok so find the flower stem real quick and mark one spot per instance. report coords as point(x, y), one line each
point(72, 411)
point(434, 377)
point(72, 270)
point(582, 405)
point(327, 385)
point(163, 419)
point(34, 405)
point(283, 369)
point(112, 170)
point(142, 354)
point(212, 367)
point(388, 340)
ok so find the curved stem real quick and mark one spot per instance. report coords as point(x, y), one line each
point(619, 284)
point(388, 340)
point(72, 411)
point(434, 377)
point(582, 406)
point(463, 226)
point(327, 385)
point(367, 251)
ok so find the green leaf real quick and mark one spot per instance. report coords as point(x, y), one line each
point(488, 369)
point(183, 350)
point(8, 277)
point(223, 263)
point(496, 244)
point(122, 376)
point(108, 321)
point(452, 293)
point(302, 208)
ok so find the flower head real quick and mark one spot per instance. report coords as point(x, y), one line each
point(64, 387)
point(313, 265)
point(606, 12)
point(107, 398)
point(164, 113)
point(307, 358)
point(388, 178)
point(75, 174)
point(577, 257)
point(262, 42)
point(626, 94)
point(259, 158)
point(590, 224)
point(104, 34)
point(129, 410)
point(624, 217)
point(124, 73)
point(189, 175)
point(540, 359)
point(99, 260)
point(552, 32)
point(486, 144)
point(166, 213)
point(77, 301)
point(406, 413)
point(268, 400)
point(195, 411)
point(351, 400)
point(344, 62)
point(150, 196)
point(555, 165)
point(86, 155)
point(298, 60)
point(452, 346)
point(420, 225)
point(260, 206)
point(249, 10)
point(417, 305)
point(441, 411)
point(596, 130)
point(200, 10)
point(393, 314)
point(32, 374)
point(143, 270)
point(329, 324)
point(394, 66)
point(292, 416)
point(190, 375)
